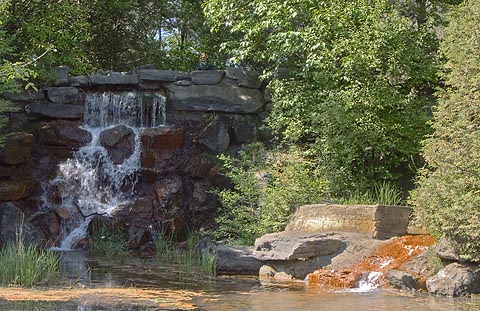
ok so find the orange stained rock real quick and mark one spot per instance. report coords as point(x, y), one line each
point(386, 257)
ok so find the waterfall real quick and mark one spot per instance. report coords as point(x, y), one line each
point(91, 182)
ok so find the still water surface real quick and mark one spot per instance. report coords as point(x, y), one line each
point(216, 293)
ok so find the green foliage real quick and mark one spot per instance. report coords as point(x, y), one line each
point(268, 187)
point(383, 194)
point(358, 75)
point(109, 242)
point(27, 265)
point(447, 199)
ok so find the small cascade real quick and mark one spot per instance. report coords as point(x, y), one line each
point(91, 183)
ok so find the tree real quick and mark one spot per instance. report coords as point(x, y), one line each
point(447, 199)
point(358, 76)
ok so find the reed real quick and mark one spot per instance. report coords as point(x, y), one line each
point(27, 265)
point(108, 242)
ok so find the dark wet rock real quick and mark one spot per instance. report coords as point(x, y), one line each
point(207, 77)
point(244, 131)
point(119, 142)
point(62, 77)
point(201, 165)
point(295, 245)
point(214, 137)
point(244, 78)
point(55, 111)
point(63, 133)
point(12, 222)
point(26, 96)
point(446, 249)
point(379, 221)
point(17, 148)
point(455, 280)
point(159, 144)
point(215, 98)
point(167, 189)
point(162, 75)
point(403, 280)
point(80, 81)
point(15, 189)
point(205, 245)
point(66, 95)
point(236, 259)
point(114, 78)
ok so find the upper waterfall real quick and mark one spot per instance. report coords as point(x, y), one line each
point(95, 181)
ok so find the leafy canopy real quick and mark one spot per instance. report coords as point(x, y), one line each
point(352, 79)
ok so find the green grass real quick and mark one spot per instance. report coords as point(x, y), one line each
point(108, 242)
point(188, 259)
point(383, 194)
point(27, 265)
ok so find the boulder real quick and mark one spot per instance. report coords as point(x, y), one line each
point(63, 134)
point(456, 279)
point(214, 137)
point(244, 78)
point(162, 75)
point(236, 259)
point(113, 78)
point(17, 148)
point(380, 221)
point(207, 77)
point(215, 98)
point(119, 142)
point(12, 222)
point(403, 280)
point(295, 245)
point(446, 249)
point(167, 188)
point(244, 131)
point(55, 111)
point(65, 95)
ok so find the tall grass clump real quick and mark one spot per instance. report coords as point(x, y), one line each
point(108, 241)
point(189, 258)
point(27, 266)
point(382, 193)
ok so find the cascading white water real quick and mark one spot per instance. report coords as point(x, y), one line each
point(91, 183)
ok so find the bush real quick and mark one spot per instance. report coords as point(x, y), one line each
point(27, 265)
point(268, 187)
point(447, 199)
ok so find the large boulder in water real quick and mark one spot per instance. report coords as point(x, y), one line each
point(456, 279)
point(119, 142)
point(236, 259)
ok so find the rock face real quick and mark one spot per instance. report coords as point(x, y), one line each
point(11, 214)
point(119, 142)
point(289, 246)
point(18, 148)
point(381, 222)
point(456, 279)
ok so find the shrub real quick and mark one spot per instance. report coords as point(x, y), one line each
point(268, 187)
point(447, 199)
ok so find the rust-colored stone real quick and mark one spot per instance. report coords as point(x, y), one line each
point(164, 141)
point(389, 256)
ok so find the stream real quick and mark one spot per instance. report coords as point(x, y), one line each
point(93, 283)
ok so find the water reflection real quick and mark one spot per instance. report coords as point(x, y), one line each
point(196, 291)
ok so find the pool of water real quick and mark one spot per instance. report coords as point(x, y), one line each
point(93, 284)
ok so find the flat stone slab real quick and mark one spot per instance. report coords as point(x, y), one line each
point(293, 245)
point(215, 98)
point(379, 221)
point(236, 259)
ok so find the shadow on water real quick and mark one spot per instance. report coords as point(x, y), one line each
point(94, 284)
